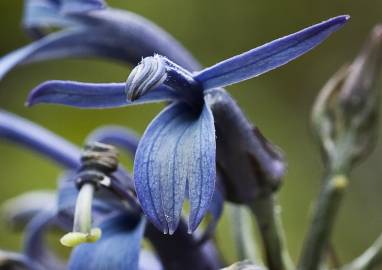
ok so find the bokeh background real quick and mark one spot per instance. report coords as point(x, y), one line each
point(278, 102)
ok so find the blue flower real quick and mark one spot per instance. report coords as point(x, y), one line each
point(109, 209)
point(176, 157)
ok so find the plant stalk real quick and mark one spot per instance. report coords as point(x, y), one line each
point(321, 227)
point(269, 222)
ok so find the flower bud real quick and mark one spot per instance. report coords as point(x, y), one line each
point(345, 113)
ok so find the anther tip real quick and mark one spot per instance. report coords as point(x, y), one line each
point(74, 239)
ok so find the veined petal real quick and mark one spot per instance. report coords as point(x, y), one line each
point(81, 6)
point(34, 244)
point(215, 209)
point(176, 154)
point(269, 56)
point(116, 135)
point(118, 248)
point(22, 131)
point(92, 95)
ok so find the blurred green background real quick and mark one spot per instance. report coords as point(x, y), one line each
point(278, 102)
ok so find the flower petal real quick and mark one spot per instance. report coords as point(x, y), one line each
point(94, 36)
point(215, 209)
point(91, 95)
point(269, 56)
point(18, 211)
point(116, 135)
point(34, 243)
point(118, 248)
point(177, 151)
point(37, 138)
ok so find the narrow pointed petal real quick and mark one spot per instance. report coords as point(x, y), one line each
point(42, 141)
point(118, 249)
point(81, 6)
point(35, 247)
point(91, 95)
point(215, 209)
point(70, 43)
point(176, 151)
point(118, 136)
point(269, 56)
point(94, 36)
point(18, 211)
point(24, 132)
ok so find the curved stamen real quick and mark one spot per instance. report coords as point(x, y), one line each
point(97, 162)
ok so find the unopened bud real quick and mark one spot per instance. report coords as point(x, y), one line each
point(345, 113)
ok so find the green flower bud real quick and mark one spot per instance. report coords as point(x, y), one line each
point(345, 113)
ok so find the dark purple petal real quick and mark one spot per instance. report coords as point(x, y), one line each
point(249, 165)
point(91, 95)
point(39, 139)
point(176, 155)
point(269, 56)
point(118, 248)
point(118, 136)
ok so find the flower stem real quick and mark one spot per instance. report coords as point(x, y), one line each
point(243, 234)
point(271, 230)
point(370, 259)
point(323, 220)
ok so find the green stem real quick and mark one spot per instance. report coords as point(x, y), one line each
point(322, 223)
point(243, 234)
point(370, 259)
point(271, 230)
